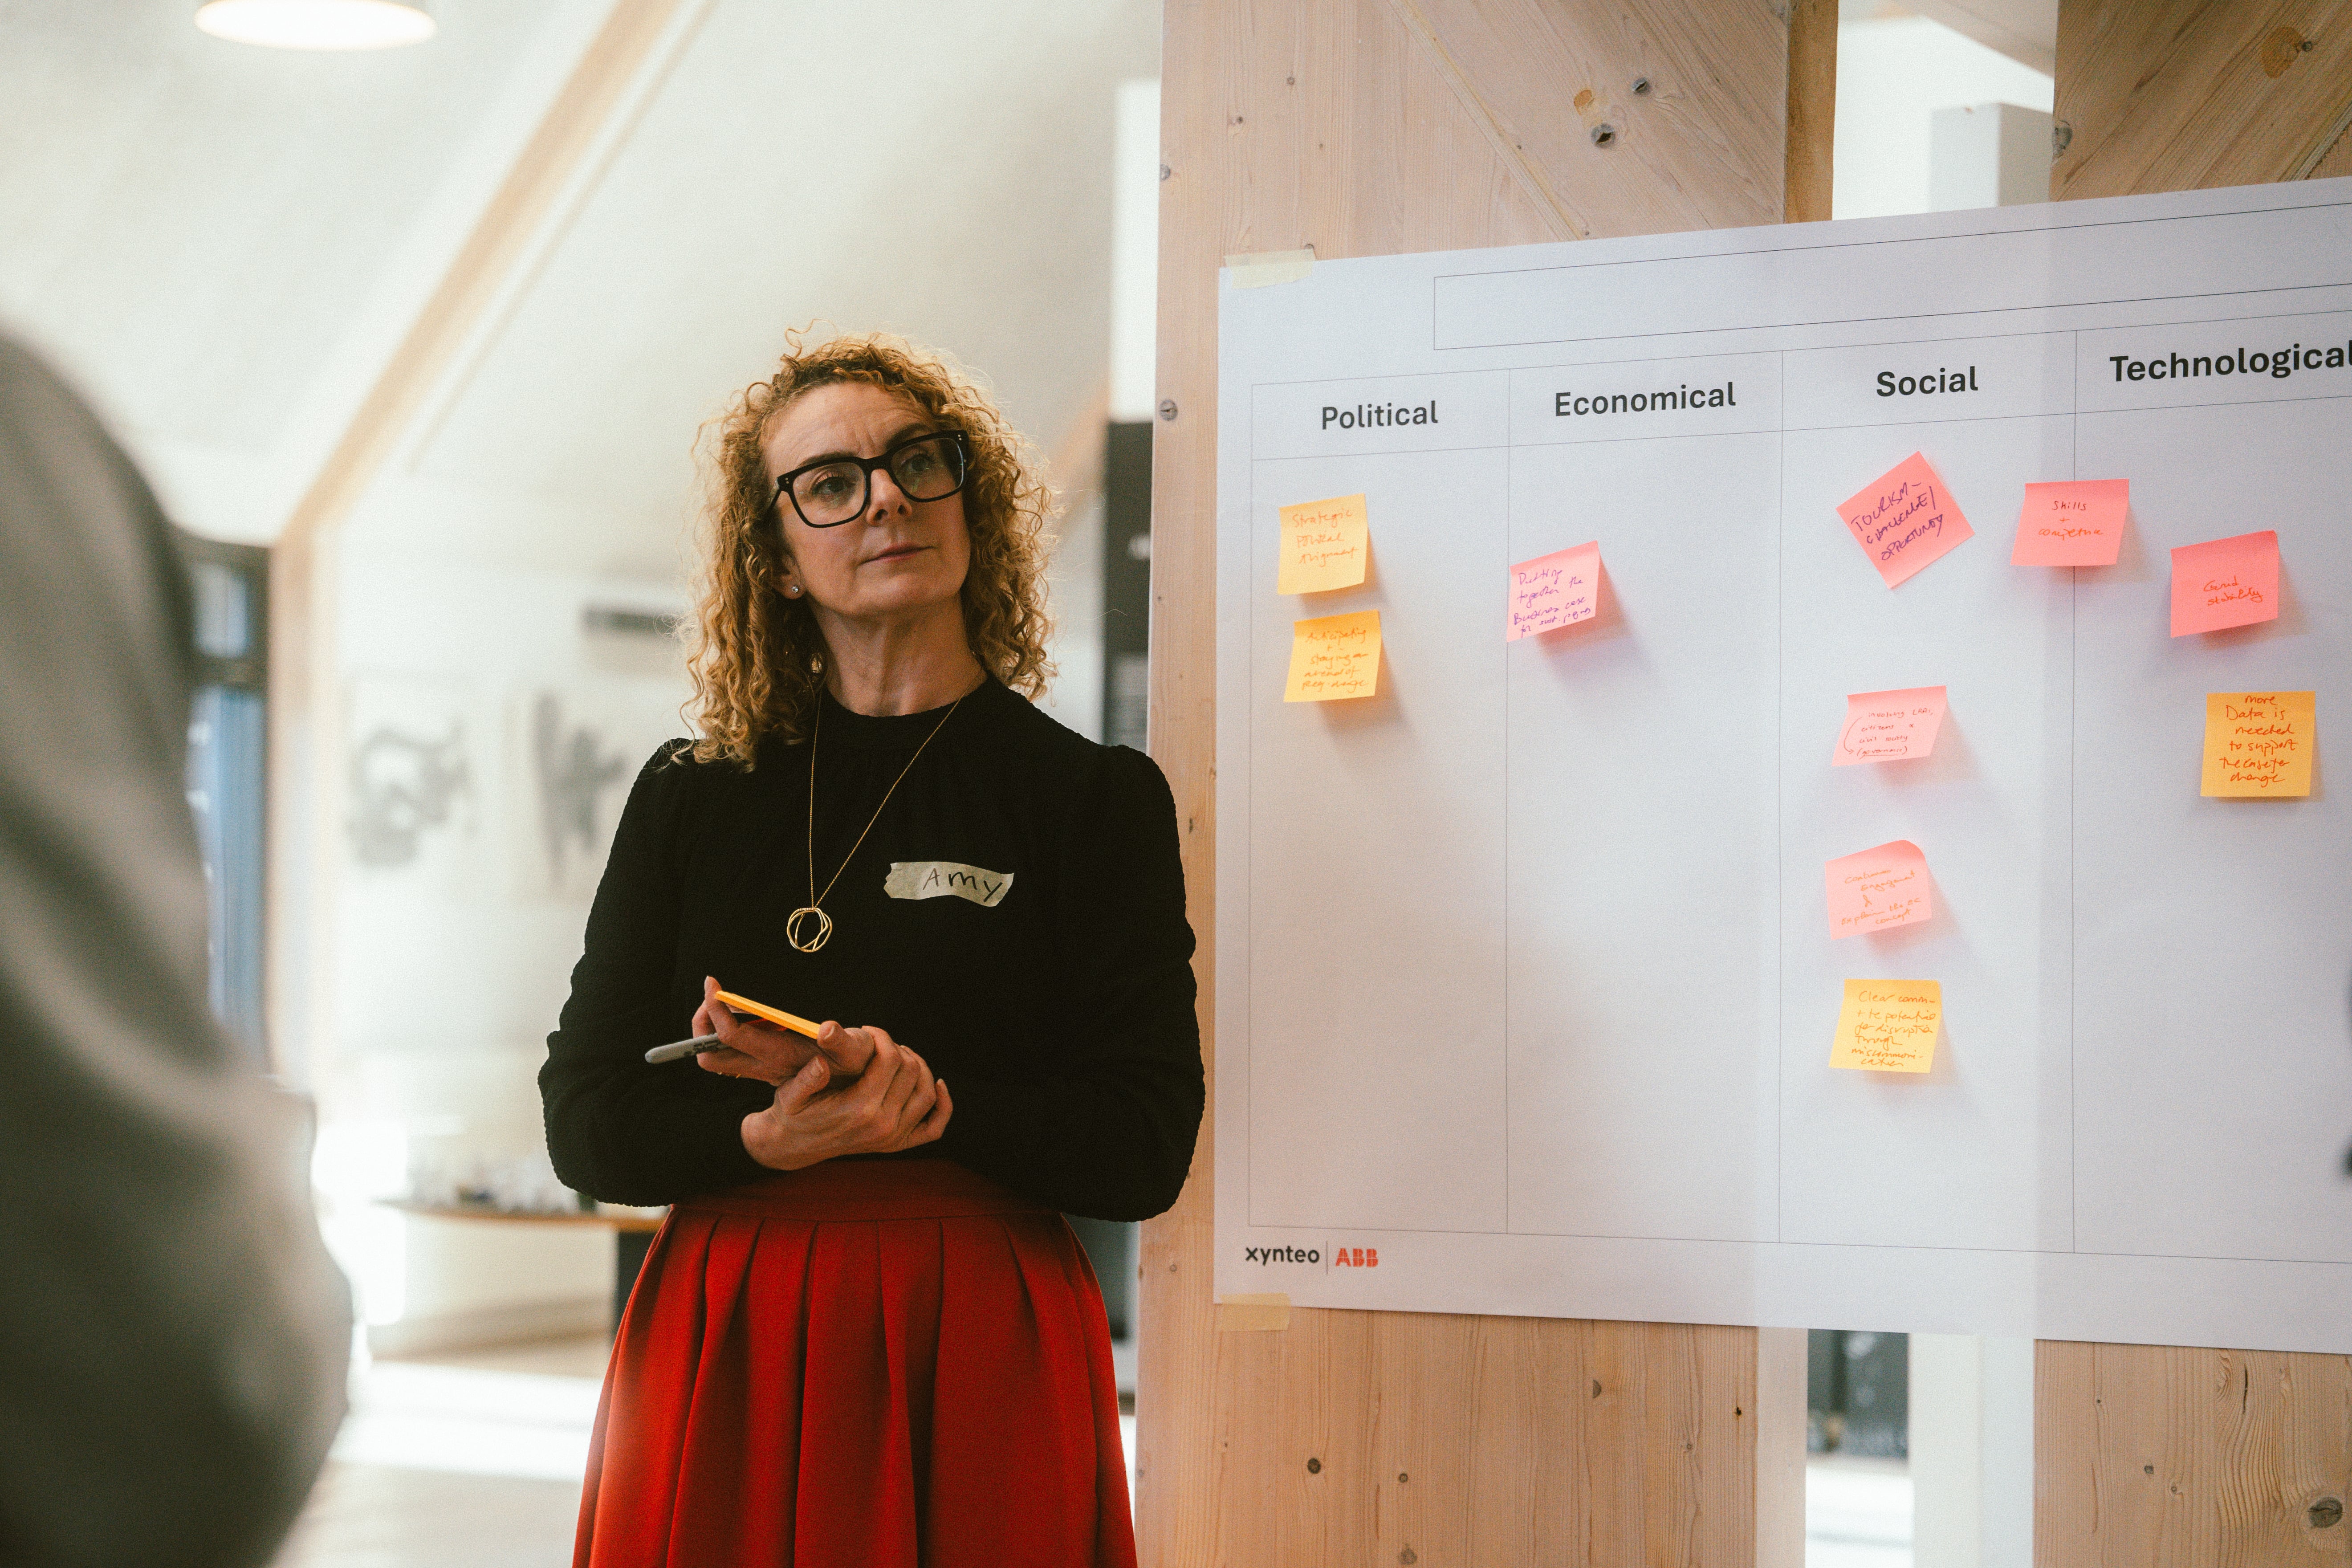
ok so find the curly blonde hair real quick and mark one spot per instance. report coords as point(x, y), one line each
point(752, 652)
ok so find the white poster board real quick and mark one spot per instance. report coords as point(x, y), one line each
point(1525, 985)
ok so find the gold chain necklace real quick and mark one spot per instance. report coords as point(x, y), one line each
point(823, 921)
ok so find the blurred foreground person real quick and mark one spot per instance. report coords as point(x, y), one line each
point(173, 1336)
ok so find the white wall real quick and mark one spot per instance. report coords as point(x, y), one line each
point(454, 921)
point(1075, 604)
point(1894, 73)
point(1077, 698)
point(1988, 155)
point(1135, 252)
point(1971, 1442)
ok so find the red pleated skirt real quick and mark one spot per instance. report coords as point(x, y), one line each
point(876, 1364)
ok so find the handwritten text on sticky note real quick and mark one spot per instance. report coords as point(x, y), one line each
point(1878, 889)
point(1888, 1025)
point(1323, 545)
point(2225, 583)
point(1554, 590)
point(2072, 522)
point(1904, 518)
point(1890, 726)
point(1334, 656)
point(2259, 743)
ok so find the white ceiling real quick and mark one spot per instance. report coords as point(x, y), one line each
point(2024, 30)
point(938, 168)
point(185, 221)
point(224, 242)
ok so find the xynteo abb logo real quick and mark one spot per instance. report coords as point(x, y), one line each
point(1341, 1256)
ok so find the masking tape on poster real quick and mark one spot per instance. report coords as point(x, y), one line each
point(1253, 1314)
point(1260, 269)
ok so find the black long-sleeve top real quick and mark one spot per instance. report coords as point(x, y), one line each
point(1059, 1011)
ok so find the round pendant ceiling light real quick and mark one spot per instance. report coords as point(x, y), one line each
point(317, 24)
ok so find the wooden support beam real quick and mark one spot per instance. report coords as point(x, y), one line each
point(2176, 95)
point(2189, 1458)
point(1811, 110)
point(1373, 127)
point(2154, 1454)
point(1622, 120)
point(2336, 161)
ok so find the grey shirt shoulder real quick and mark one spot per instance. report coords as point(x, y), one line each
point(173, 1335)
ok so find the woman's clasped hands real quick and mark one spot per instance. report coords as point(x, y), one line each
point(848, 1091)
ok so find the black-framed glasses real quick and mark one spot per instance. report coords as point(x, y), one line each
point(834, 490)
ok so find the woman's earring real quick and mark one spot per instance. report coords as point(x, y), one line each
point(793, 591)
point(816, 665)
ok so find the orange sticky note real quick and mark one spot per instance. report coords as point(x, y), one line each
point(1889, 1026)
point(1334, 656)
point(1323, 545)
point(2260, 743)
point(1554, 590)
point(1904, 518)
point(2072, 523)
point(1877, 888)
point(2223, 583)
point(1890, 726)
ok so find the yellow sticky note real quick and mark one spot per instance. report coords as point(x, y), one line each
point(1324, 545)
point(1889, 1026)
point(2259, 743)
point(1334, 656)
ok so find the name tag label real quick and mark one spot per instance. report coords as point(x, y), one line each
point(947, 878)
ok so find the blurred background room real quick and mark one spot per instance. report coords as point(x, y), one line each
point(414, 342)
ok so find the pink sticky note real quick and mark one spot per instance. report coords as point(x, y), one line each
point(2225, 583)
point(1890, 726)
point(1904, 518)
point(1554, 590)
point(1877, 888)
point(2072, 523)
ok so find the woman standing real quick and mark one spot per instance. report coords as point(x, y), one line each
point(865, 1336)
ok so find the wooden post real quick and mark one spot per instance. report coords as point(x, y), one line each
point(2191, 1458)
point(2152, 1453)
point(1812, 109)
point(1371, 127)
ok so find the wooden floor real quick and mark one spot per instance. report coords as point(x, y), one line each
point(433, 1507)
point(374, 1516)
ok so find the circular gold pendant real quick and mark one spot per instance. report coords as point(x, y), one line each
point(824, 929)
